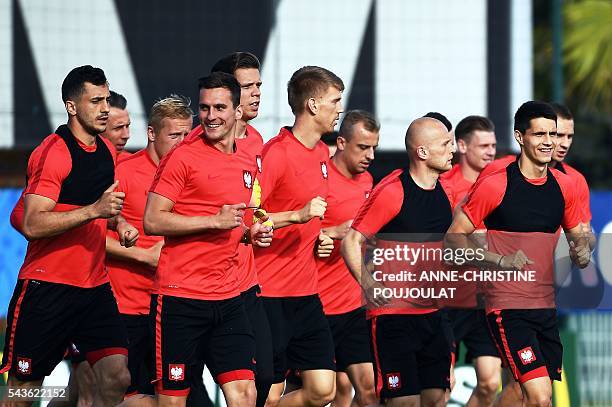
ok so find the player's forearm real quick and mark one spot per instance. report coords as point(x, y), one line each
point(43, 224)
point(135, 254)
point(462, 241)
point(162, 223)
point(282, 219)
point(350, 249)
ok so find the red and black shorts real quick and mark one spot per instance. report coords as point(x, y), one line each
point(141, 358)
point(411, 354)
point(188, 331)
point(470, 327)
point(301, 338)
point(528, 341)
point(44, 318)
point(351, 338)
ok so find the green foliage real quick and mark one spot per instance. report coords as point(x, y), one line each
point(587, 52)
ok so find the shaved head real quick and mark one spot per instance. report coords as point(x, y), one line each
point(422, 132)
point(429, 141)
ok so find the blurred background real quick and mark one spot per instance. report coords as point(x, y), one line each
point(398, 58)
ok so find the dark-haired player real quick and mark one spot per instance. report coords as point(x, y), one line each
point(68, 198)
point(476, 145)
point(197, 203)
point(245, 67)
point(522, 207)
point(118, 126)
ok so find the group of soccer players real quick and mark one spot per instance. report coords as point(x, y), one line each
point(209, 247)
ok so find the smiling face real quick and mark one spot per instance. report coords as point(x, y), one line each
point(538, 141)
point(250, 93)
point(217, 114)
point(479, 150)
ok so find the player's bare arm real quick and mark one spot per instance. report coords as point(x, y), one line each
point(351, 252)
point(314, 208)
point(458, 237)
point(40, 221)
point(580, 249)
point(148, 257)
point(160, 220)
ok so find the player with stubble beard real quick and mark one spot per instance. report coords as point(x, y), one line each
point(68, 198)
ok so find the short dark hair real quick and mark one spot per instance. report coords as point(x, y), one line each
point(73, 84)
point(353, 117)
point(330, 138)
point(562, 111)
point(222, 80)
point(468, 125)
point(234, 61)
point(307, 82)
point(442, 118)
point(117, 100)
point(532, 110)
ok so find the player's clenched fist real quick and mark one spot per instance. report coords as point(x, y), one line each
point(315, 208)
point(110, 203)
point(128, 234)
point(230, 216)
point(325, 245)
point(261, 235)
point(580, 254)
point(516, 261)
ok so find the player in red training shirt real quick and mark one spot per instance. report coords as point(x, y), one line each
point(68, 198)
point(522, 207)
point(197, 203)
point(476, 145)
point(131, 270)
point(294, 187)
point(118, 127)
point(245, 68)
point(412, 353)
point(349, 185)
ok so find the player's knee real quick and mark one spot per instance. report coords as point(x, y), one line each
point(321, 394)
point(488, 387)
point(115, 378)
point(273, 398)
point(539, 401)
point(365, 392)
point(243, 396)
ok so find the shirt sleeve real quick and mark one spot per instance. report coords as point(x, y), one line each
point(384, 203)
point(572, 214)
point(171, 177)
point(584, 198)
point(484, 196)
point(272, 169)
point(48, 167)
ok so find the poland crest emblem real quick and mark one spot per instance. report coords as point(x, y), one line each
point(248, 179)
point(177, 372)
point(324, 169)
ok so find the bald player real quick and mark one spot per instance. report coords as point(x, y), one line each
point(411, 351)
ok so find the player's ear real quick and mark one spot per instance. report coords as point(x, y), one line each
point(341, 143)
point(311, 105)
point(518, 136)
point(238, 114)
point(70, 107)
point(422, 152)
point(461, 146)
point(151, 134)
